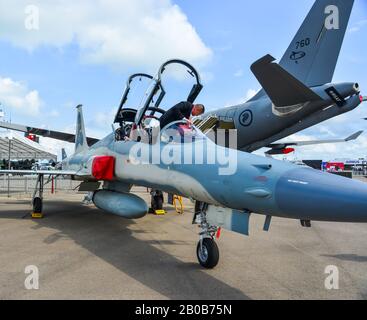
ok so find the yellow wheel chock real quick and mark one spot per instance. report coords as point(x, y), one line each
point(37, 215)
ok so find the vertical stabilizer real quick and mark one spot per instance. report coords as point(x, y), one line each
point(63, 154)
point(314, 52)
point(80, 137)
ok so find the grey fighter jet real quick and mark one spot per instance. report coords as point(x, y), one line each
point(228, 185)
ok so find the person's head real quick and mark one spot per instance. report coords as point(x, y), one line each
point(197, 110)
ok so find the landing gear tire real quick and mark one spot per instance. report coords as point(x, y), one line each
point(156, 201)
point(159, 203)
point(37, 205)
point(207, 253)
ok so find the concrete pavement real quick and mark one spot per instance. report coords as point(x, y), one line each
point(83, 253)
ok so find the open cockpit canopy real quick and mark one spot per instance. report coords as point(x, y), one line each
point(139, 119)
point(127, 110)
point(152, 104)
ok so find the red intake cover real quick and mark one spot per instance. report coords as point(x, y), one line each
point(288, 150)
point(103, 168)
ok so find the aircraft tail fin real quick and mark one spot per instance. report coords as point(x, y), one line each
point(80, 136)
point(63, 154)
point(312, 56)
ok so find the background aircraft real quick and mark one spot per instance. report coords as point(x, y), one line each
point(297, 93)
point(257, 185)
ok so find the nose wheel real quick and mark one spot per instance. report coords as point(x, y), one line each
point(207, 250)
point(207, 253)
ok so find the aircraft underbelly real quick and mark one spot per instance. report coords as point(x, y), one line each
point(165, 180)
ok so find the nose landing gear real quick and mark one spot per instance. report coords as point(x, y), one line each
point(207, 253)
point(207, 250)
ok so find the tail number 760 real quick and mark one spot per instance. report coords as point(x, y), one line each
point(303, 43)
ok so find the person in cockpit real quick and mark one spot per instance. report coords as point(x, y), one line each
point(182, 110)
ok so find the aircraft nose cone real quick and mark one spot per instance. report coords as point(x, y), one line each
point(312, 195)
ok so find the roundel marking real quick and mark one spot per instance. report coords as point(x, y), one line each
point(246, 118)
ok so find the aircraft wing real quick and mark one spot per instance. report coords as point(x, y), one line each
point(281, 148)
point(44, 172)
point(283, 89)
point(67, 137)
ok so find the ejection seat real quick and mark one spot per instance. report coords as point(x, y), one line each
point(125, 116)
point(126, 119)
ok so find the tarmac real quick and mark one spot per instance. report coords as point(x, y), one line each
point(84, 253)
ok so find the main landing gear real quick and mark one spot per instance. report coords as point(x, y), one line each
point(37, 199)
point(157, 202)
point(207, 250)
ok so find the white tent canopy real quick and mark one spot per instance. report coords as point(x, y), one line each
point(22, 148)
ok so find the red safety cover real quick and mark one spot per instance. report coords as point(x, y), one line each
point(288, 150)
point(103, 168)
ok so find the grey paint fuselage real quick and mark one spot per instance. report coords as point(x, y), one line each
point(264, 186)
point(267, 127)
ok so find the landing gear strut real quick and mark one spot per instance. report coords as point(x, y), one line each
point(37, 199)
point(156, 201)
point(207, 250)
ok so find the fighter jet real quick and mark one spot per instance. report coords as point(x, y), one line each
point(297, 93)
point(228, 185)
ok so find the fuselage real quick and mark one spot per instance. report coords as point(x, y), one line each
point(259, 185)
point(258, 123)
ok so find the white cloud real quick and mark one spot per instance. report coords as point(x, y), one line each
point(118, 33)
point(55, 146)
point(239, 73)
point(327, 130)
point(358, 26)
point(54, 113)
point(249, 94)
point(69, 105)
point(17, 96)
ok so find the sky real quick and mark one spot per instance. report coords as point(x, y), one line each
point(81, 52)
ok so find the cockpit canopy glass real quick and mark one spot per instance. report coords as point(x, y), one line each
point(131, 99)
point(181, 132)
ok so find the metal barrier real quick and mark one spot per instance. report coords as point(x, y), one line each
point(359, 173)
point(26, 184)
